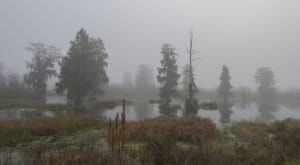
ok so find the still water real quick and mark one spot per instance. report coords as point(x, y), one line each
point(251, 112)
point(144, 110)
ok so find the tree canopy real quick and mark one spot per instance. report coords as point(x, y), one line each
point(225, 85)
point(41, 68)
point(168, 77)
point(82, 73)
point(265, 77)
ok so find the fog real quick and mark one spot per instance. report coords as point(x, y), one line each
point(244, 35)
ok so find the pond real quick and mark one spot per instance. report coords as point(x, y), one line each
point(144, 110)
point(249, 112)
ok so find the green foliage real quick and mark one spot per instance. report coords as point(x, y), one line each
point(82, 72)
point(168, 78)
point(264, 77)
point(225, 94)
point(225, 85)
point(41, 68)
point(191, 106)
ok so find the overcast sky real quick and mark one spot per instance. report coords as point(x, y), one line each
point(243, 34)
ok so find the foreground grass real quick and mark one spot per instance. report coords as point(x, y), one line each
point(162, 140)
point(192, 129)
point(14, 131)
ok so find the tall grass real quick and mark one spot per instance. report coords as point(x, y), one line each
point(15, 130)
point(192, 129)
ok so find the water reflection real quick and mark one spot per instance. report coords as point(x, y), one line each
point(225, 111)
point(266, 103)
point(143, 110)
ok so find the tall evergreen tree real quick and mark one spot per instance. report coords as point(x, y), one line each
point(266, 92)
point(168, 78)
point(225, 93)
point(41, 68)
point(82, 73)
point(224, 90)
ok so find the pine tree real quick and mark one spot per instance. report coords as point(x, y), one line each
point(225, 93)
point(83, 73)
point(225, 86)
point(168, 78)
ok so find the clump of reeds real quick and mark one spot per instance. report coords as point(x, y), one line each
point(190, 128)
point(116, 139)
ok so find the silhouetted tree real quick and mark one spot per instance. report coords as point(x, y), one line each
point(82, 73)
point(191, 103)
point(264, 77)
point(144, 81)
point(168, 78)
point(225, 87)
point(266, 92)
point(41, 68)
point(127, 80)
point(224, 93)
point(186, 78)
point(127, 88)
point(13, 81)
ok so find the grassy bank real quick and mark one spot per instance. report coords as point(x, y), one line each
point(162, 140)
point(13, 131)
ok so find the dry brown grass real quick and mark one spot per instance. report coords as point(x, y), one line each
point(250, 130)
point(15, 130)
point(192, 129)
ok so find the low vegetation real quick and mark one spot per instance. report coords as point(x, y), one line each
point(192, 129)
point(13, 131)
point(71, 139)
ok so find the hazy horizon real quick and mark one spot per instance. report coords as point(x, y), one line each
point(244, 35)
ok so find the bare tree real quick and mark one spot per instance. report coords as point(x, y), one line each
point(191, 104)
